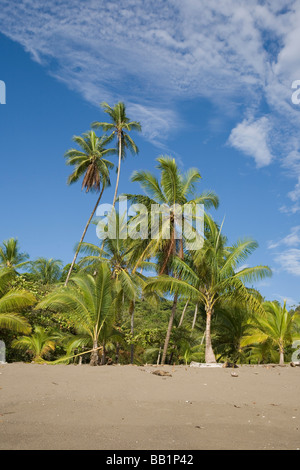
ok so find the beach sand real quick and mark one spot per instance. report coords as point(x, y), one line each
point(127, 407)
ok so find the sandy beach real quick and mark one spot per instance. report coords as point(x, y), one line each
point(128, 407)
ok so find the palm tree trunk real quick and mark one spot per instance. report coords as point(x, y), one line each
point(158, 357)
point(209, 353)
point(94, 361)
point(119, 169)
point(103, 359)
point(195, 316)
point(281, 359)
point(169, 329)
point(131, 311)
point(183, 312)
point(83, 235)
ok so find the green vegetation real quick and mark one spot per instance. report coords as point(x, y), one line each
point(142, 298)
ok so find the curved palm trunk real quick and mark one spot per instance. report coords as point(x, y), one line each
point(82, 238)
point(167, 340)
point(119, 169)
point(209, 353)
point(195, 316)
point(94, 361)
point(183, 313)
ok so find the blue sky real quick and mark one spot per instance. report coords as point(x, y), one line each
point(211, 84)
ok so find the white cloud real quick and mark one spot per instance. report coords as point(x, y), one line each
point(291, 240)
point(289, 261)
point(152, 54)
point(252, 138)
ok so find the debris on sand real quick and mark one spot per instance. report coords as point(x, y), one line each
point(230, 365)
point(162, 373)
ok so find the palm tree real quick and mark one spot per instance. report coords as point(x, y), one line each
point(120, 255)
point(119, 127)
point(174, 189)
point(277, 326)
point(90, 164)
point(214, 277)
point(10, 255)
point(87, 301)
point(47, 271)
point(11, 303)
point(39, 344)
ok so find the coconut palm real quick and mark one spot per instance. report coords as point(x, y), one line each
point(119, 127)
point(171, 193)
point(277, 326)
point(47, 271)
point(91, 164)
point(39, 344)
point(120, 255)
point(87, 301)
point(214, 276)
point(10, 255)
point(11, 303)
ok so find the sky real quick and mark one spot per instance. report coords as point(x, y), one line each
point(210, 82)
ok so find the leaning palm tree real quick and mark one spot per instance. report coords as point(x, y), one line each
point(47, 271)
point(119, 127)
point(171, 193)
point(10, 255)
point(277, 327)
point(11, 303)
point(91, 164)
point(39, 344)
point(87, 302)
point(214, 276)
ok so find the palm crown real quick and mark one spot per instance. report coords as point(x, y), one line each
point(89, 162)
point(119, 127)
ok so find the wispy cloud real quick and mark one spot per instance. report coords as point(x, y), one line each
point(291, 240)
point(289, 261)
point(153, 54)
point(288, 258)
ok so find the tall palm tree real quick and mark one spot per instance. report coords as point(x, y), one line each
point(91, 164)
point(174, 189)
point(276, 326)
point(87, 301)
point(47, 271)
point(214, 277)
point(12, 302)
point(10, 255)
point(119, 127)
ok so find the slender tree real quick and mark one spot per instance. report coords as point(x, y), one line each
point(119, 127)
point(91, 164)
